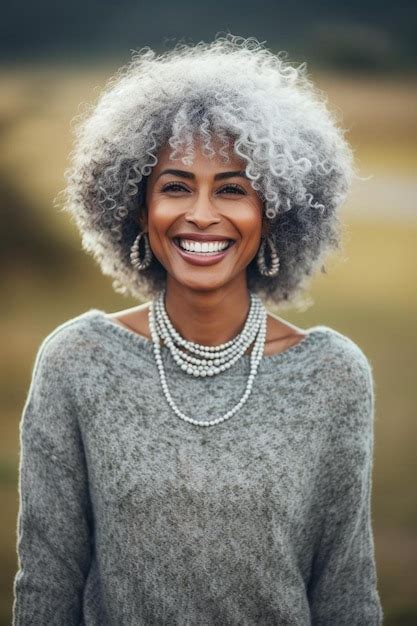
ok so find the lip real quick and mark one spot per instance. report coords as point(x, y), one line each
point(199, 259)
point(202, 237)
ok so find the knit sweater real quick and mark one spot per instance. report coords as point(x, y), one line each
point(131, 516)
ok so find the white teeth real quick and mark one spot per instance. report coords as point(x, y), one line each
point(203, 247)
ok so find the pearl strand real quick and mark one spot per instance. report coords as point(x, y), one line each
point(211, 364)
point(255, 308)
point(256, 356)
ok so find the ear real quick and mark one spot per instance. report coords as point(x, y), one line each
point(142, 219)
point(265, 225)
point(265, 228)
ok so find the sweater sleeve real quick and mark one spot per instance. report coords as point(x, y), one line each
point(54, 519)
point(343, 585)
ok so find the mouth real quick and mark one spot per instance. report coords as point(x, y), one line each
point(198, 257)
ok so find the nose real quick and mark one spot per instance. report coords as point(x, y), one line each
point(202, 213)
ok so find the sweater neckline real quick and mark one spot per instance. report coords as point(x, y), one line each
point(133, 340)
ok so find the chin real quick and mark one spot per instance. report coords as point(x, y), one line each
point(201, 283)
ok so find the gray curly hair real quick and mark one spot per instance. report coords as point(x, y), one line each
point(232, 90)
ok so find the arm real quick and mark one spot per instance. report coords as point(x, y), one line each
point(54, 518)
point(343, 585)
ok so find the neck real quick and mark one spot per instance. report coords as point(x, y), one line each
point(208, 317)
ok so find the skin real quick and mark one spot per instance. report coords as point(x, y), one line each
point(206, 304)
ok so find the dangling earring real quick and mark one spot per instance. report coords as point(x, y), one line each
point(135, 254)
point(260, 259)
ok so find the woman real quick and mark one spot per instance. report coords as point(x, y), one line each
point(196, 459)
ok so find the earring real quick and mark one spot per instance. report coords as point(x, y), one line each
point(135, 254)
point(260, 259)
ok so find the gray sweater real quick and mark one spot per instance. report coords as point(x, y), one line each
point(131, 516)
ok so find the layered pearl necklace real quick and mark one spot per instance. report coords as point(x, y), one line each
point(207, 360)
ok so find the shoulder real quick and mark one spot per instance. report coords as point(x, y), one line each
point(55, 399)
point(63, 346)
point(328, 348)
point(347, 381)
point(135, 319)
point(342, 355)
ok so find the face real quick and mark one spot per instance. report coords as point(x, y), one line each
point(204, 220)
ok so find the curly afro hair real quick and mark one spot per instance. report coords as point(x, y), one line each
point(234, 90)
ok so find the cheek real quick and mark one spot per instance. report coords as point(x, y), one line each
point(161, 215)
point(246, 218)
point(248, 221)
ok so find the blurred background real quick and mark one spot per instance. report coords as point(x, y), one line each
point(57, 56)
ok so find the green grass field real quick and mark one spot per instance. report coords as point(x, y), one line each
point(368, 294)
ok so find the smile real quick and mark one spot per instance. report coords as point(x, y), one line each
point(202, 253)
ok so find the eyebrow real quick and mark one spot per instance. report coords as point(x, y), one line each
point(190, 175)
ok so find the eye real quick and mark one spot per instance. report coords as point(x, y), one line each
point(174, 187)
point(231, 188)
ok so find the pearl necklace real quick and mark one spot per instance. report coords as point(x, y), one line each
point(208, 360)
point(213, 359)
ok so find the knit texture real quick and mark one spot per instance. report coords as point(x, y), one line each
point(130, 516)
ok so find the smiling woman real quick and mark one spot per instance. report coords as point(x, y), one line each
point(231, 96)
point(196, 459)
point(207, 201)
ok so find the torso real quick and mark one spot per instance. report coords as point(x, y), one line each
point(279, 337)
